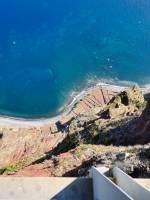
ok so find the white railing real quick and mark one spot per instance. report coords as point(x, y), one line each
point(130, 186)
point(104, 188)
point(125, 188)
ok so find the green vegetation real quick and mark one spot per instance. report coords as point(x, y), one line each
point(15, 167)
point(107, 140)
point(95, 133)
point(11, 169)
point(141, 106)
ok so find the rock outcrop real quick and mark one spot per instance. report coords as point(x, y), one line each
point(125, 104)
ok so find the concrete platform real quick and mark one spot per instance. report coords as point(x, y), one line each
point(143, 182)
point(45, 188)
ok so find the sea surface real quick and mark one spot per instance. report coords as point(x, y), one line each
point(50, 49)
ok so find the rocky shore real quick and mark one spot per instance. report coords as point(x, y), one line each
point(105, 127)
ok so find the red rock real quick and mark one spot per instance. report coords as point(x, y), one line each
point(36, 170)
point(65, 155)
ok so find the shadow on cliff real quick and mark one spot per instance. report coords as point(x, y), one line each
point(142, 131)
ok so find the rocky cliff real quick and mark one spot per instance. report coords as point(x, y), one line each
point(99, 135)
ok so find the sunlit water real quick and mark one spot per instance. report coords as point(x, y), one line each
point(48, 49)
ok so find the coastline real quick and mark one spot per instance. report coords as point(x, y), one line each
point(28, 151)
point(14, 122)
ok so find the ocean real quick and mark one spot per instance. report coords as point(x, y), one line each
point(51, 49)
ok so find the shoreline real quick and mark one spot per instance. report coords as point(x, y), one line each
point(14, 122)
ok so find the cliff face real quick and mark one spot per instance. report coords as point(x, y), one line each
point(17, 144)
point(126, 103)
point(142, 130)
point(123, 120)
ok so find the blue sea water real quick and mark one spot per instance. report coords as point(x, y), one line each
point(48, 49)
